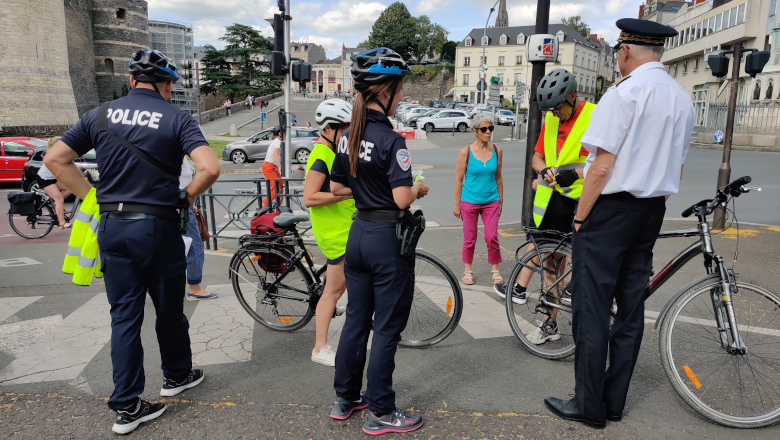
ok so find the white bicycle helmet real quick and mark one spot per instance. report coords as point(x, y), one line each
point(333, 111)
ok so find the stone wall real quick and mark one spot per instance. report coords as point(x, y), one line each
point(35, 85)
point(81, 53)
point(427, 91)
point(119, 28)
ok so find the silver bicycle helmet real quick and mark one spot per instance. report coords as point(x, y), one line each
point(333, 111)
point(554, 88)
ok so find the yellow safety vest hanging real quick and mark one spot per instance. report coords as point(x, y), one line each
point(568, 159)
point(83, 257)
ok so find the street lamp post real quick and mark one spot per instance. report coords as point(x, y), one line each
point(484, 45)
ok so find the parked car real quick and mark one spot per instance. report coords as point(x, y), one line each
point(505, 117)
point(413, 120)
point(255, 147)
point(417, 111)
point(436, 104)
point(86, 162)
point(403, 111)
point(450, 105)
point(14, 152)
point(445, 120)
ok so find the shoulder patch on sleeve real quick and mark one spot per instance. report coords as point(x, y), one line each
point(404, 159)
point(622, 79)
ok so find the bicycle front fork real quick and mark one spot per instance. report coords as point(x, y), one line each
point(724, 298)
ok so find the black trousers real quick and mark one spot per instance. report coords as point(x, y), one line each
point(140, 257)
point(612, 258)
point(381, 285)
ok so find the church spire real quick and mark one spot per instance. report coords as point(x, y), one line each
point(502, 20)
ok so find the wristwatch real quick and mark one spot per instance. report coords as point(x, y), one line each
point(579, 222)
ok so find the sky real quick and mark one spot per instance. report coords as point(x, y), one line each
point(333, 22)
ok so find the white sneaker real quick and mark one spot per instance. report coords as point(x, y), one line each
point(539, 336)
point(340, 310)
point(326, 356)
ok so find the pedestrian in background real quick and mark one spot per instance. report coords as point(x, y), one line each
point(57, 191)
point(273, 163)
point(479, 191)
point(641, 130)
point(195, 256)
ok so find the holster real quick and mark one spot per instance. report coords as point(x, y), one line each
point(409, 231)
point(184, 212)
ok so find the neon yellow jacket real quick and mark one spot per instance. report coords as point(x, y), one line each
point(83, 257)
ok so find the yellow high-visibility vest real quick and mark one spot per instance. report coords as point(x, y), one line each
point(568, 159)
point(82, 259)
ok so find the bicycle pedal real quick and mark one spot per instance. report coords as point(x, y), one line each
point(542, 309)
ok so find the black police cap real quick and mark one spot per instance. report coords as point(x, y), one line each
point(643, 32)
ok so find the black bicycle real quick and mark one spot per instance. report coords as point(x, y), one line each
point(719, 336)
point(277, 283)
point(36, 219)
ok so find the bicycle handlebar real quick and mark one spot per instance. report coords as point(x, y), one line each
point(734, 189)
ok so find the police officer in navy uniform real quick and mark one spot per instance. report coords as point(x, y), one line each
point(373, 165)
point(638, 139)
point(141, 247)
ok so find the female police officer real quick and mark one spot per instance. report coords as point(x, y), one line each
point(374, 166)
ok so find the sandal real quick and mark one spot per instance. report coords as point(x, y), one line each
point(468, 278)
point(497, 277)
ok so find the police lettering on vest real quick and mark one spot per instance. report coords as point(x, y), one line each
point(154, 126)
point(385, 164)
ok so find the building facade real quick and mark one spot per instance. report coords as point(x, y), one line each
point(662, 11)
point(505, 59)
point(710, 26)
point(175, 40)
point(308, 52)
point(346, 65)
point(327, 77)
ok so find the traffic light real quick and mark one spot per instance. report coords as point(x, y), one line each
point(282, 118)
point(755, 62)
point(301, 72)
point(719, 64)
point(278, 65)
point(278, 25)
point(186, 74)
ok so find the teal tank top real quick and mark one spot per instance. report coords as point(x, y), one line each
point(479, 187)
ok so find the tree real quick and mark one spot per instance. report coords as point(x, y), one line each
point(576, 23)
point(363, 45)
point(448, 51)
point(428, 37)
point(240, 68)
point(125, 90)
point(392, 30)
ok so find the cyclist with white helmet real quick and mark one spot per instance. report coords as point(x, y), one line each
point(331, 218)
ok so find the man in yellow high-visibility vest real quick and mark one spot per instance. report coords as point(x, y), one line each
point(560, 161)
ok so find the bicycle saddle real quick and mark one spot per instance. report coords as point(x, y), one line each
point(285, 220)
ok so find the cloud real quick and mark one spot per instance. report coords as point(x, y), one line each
point(241, 11)
point(331, 44)
point(526, 14)
point(614, 6)
point(347, 21)
point(428, 6)
point(610, 35)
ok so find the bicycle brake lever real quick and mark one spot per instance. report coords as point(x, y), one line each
point(751, 188)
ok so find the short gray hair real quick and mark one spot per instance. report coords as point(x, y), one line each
point(479, 118)
point(641, 51)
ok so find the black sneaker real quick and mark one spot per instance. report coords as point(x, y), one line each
point(396, 421)
point(143, 411)
point(518, 297)
point(172, 388)
point(343, 408)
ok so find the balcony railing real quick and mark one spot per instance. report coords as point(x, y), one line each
point(690, 15)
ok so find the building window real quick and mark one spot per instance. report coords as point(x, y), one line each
point(685, 67)
point(674, 69)
point(757, 90)
point(466, 61)
point(695, 64)
point(733, 18)
point(500, 61)
point(465, 79)
point(468, 41)
point(485, 40)
point(108, 65)
point(712, 25)
point(501, 78)
point(518, 60)
point(698, 30)
point(719, 22)
point(503, 40)
point(769, 89)
point(518, 78)
point(121, 13)
point(704, 28)
point(726, 15)
point(521, 38)
point(576, 62)
point(482, 61)
point(741, 13)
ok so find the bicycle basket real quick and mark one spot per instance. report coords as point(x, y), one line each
point(23, 203)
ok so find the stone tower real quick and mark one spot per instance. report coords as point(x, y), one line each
point(36, 97)
point(81, 53)
point(502, 19)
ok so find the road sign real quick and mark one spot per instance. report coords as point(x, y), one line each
point(482, 85)
point(263, 117)
point(718, 137)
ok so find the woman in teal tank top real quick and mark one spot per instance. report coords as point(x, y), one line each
point(331, 218)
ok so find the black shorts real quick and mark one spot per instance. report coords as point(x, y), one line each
point(560, 213)
point(43, 183)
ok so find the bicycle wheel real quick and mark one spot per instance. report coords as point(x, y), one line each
point(547, 269)
point(253, 269)
point(437, 303)
point(733, 389)
point(37, 225)
point(243, 206)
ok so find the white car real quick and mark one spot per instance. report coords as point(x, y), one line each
point(477, 109)
point(446, 120)
point(505, 117)
point(417, 111)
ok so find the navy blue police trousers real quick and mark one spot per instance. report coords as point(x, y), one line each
point(139, 256)
point(380, 285)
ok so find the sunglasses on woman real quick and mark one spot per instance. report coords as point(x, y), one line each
point(485, 129)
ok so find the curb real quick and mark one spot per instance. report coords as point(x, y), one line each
point(734, 147)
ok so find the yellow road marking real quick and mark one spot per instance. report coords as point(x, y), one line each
point(773, 228)
point(732, 233)
point(511, 232)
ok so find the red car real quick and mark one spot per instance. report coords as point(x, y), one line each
point(14, 152)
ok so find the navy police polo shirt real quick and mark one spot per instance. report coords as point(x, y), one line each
point(384, 163)
point(154, 126)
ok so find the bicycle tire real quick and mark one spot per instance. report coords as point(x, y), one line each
point(242, 206)
point(685, 388)
point(524, 318)
point(23, 224)
point(435, 312)
point(296, 313)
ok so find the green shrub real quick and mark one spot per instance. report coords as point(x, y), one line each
point(428, 73)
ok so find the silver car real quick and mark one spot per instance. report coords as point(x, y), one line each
point(255, 147)
point(505, 117)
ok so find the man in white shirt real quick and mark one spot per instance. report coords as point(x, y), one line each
point(273, 162)
point(638, 139)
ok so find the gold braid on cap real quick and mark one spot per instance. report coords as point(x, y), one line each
point(637, 39)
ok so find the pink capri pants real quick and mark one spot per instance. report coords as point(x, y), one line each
point(469, 214)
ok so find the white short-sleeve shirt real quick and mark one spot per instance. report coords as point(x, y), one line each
point(646, 121)
point(276, 144)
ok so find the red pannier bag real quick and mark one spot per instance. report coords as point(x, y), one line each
point(263, 226)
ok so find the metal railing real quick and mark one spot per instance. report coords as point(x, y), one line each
point(221, 112)
point(698, 10)
point(244, 204)
point(762, 118)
